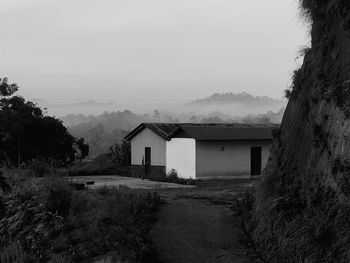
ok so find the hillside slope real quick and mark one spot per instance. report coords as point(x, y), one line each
point(302, 209)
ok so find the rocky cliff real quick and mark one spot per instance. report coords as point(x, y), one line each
point(302, 209)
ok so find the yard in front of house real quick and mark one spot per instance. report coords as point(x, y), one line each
point(195, 223)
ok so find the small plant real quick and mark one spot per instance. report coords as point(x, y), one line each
point(297, 81)
point(303, 51)
point(173, 174)
point(288, 93)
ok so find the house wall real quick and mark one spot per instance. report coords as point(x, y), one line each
point(233, 161)
point(148, 138)
point(181, 156)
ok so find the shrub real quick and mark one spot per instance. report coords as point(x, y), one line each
point(288, 93)
point(39, 168)
point(58, 196)
point(171, 177)
point(297, 81)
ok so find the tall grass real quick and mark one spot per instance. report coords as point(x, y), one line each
point(53, 223)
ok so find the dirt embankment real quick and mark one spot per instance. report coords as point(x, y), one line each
point(302, 206)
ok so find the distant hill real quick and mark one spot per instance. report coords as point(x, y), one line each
point(233, 98)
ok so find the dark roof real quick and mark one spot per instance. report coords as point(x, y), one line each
point(225, 132)
point(161, 129)
point(208, 131)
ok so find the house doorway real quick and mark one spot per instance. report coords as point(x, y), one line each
point(255, 160)
point(147, 159)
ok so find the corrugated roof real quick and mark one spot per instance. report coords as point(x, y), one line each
point(208, 131)
point(161, 129)
point(226, 132)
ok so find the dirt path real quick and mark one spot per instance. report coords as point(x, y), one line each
point(192, 230)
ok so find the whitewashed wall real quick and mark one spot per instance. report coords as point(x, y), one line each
point(148, 138)
point(233, 161)
point(181, 156)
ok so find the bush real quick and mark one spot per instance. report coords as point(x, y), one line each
point(171, 177)
point(39, 168)
point(58, 197)
point(297, 81)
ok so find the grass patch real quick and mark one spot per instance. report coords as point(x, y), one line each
point(50, 222)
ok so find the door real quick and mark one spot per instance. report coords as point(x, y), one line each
point(255, 160)
point(147, 158)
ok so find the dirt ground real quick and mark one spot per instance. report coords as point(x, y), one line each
point(198, 225)
point(130, 182)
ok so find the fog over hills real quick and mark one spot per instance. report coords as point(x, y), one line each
point(236, 104)
point(232, 104)
point(114, 122)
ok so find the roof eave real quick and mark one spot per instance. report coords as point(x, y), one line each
point(134, 132)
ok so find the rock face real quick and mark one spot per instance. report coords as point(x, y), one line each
point(302, 204)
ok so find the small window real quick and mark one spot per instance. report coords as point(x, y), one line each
point(222, 148)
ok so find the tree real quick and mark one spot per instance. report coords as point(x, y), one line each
point(26, 133)
point(114, 154)
point(193, 119)
point(83, 148)
point(7, 89)
point(212, 120)
point(125, 153)
point(156, 115)
point(121, 154)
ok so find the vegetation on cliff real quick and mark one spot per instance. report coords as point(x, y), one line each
point(301, 211)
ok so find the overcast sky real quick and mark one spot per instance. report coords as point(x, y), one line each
point(144, 50)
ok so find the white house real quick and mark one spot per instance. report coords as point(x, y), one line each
point(200, 150)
